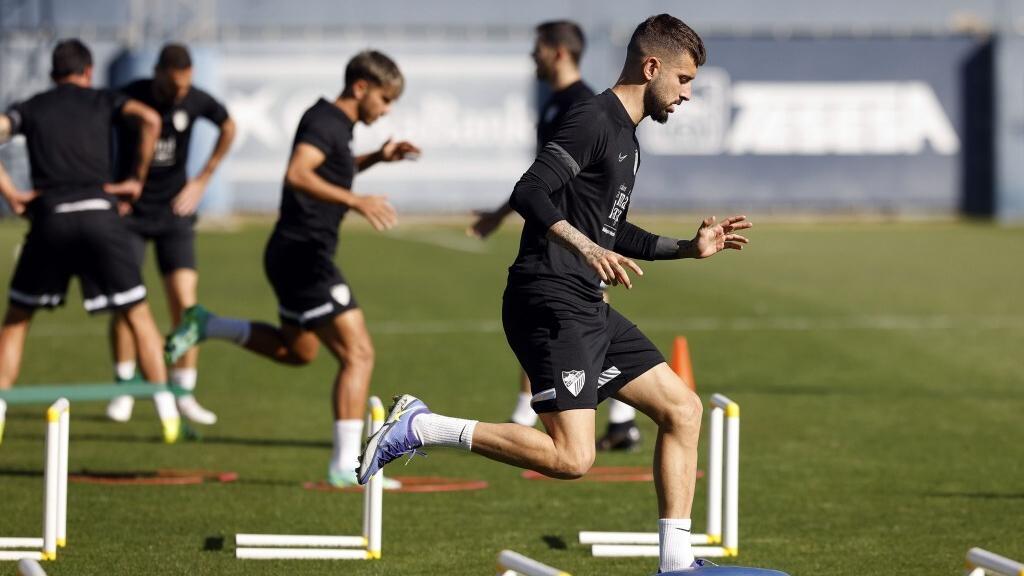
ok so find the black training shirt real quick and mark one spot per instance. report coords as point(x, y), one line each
point(596, 150)
point(67, 130)
point(304, 218)
point(556, 108)
point(167, 171)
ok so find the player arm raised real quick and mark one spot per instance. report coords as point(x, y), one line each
point(149, 132)
point(390, 151)
point(186, 201)
point(302, 176)
point(15, 198)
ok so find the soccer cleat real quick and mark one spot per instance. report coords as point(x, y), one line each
point(625, 437)
point(191, 408)
point(172, 429)
point(702, 563)
point(190, 332)
point(395, 438)
point(120, 408)
point(347, 479)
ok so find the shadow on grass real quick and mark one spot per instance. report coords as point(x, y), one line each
point(554, 542)
point(213, 544)
point(21, 473)
point(978, 495)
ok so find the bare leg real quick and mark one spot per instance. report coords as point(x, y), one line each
point(288, 344)
point(661, 394)
point(565, 451)
point(349, 341)
point(122, 341)
point(12, 343)
point(148, 342)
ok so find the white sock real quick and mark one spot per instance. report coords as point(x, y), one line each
point(166, 408)
point(524, 413)
point(674, 540)
point(184, 378)
point(620, 412)
point(232, 329)
point(348, 439)
point(437, 430)
point(124, 370)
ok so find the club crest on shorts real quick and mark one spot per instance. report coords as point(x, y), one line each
point(574, 380)
point(342, 294)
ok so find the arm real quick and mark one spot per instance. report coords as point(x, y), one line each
point(710, 239)
point(390, 151)
point(149, 132)
point(488, 221)
point(6, 128)
point(17, 200)
point(302, 176)
point(186, 202)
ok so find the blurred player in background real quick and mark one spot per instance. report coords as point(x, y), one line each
point(76, 230)
point(315, 303)
point(166, 211)
point(557, 51)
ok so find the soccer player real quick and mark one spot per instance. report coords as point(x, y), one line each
point(576, 349)
point(315, 303)
point(76, 230)
point(557, 51)
point(165, 213)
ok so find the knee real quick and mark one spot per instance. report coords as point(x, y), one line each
point(574, 464)
point(300, 355)
point(359, 354)
point(684, 415)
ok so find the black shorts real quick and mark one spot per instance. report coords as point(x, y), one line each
point(310, 289)
point(173, 236)
point(575, 356)
point(84, 238)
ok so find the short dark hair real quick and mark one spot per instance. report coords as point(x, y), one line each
point(564, 33)
point(662, 35)
point(373, 67)
point(70, 56)
point(174, 57)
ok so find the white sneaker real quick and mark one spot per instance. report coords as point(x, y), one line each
point(191, 409)
point(120, 408)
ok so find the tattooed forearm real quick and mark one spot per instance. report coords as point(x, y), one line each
point(568, 236)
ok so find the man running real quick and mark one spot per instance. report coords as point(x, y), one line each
point(557, 51)
point(576, 349)
point(166, 211)
point(75, 228)
point(315, 303)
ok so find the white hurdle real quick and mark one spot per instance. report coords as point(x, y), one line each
point(515, 564)
point(981, 562)
point(301, 547)
point(719, 541)
point(55, 492)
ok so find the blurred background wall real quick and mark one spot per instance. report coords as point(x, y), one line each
point(910, 108)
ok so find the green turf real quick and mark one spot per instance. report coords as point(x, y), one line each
point(878, 367)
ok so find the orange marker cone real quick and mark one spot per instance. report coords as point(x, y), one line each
point(681, 362)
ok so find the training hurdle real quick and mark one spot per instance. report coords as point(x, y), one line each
point(981, 562)
point(29, 567)
point(299, 547)
point(45, 394)
point(513, 563)
point(719, 541)
point(55, 492)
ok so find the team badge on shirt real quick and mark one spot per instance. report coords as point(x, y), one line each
point(574, 380)
point(180, 120)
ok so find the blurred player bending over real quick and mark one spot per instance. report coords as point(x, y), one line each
point(165, 213)
point(576, 349)
point(315, 303)
point(75, 228)
point(556, 53)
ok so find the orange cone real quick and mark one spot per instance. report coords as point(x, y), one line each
point(681, 362)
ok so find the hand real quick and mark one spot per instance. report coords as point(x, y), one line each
point(187, 200)
point(377, 210)
point(124, 208)
point(128, 190)
point(712, 238)
point(393, 151)
point(20, 200)
point(486, 223)
point(611, 267)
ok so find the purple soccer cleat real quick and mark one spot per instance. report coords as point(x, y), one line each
point(394, 439)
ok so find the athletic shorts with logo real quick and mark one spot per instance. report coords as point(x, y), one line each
point(576, 356)
point(310, 289)
point(84, 238)
point(173, 237)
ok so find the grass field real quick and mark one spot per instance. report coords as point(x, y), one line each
point(878, 366)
